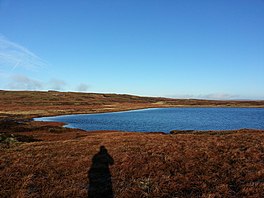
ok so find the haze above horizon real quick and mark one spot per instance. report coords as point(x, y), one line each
point(169, 48)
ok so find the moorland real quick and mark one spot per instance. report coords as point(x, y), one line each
point(44, 159)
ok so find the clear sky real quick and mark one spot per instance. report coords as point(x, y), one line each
point(174, 48)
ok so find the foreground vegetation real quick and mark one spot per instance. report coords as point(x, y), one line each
point(145, 165)
point(39, 159)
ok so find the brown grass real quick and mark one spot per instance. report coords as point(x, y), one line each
point(39, 159)
point(28, 104)
point(146, 165)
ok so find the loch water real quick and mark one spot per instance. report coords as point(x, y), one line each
point(166, 119)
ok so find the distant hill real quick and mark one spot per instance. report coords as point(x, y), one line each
point(40, 103)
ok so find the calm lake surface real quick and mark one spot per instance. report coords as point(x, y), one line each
point(167, 119)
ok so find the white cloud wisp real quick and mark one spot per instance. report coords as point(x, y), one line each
point(21, 82)
point(13, 55)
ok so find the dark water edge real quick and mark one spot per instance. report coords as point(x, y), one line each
point(166, 119)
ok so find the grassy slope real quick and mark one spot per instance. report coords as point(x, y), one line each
point(222, 164)
point(30, 104)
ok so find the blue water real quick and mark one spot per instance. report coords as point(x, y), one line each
point(167, 119)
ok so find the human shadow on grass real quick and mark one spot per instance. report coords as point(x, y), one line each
point(99, 176)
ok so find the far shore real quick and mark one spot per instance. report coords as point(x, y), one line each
point(30, 104)
point(45, 159)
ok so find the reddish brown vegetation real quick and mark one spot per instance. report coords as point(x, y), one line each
point(54, 161)
point(146, 165)
point(31, 104)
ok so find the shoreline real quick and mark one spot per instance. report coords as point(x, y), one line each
point(66, 120)
point(30, 104)
point(39, 159)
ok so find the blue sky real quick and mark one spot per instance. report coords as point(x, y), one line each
point(174, 48)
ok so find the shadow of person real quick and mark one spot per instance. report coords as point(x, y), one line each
point(100, 183)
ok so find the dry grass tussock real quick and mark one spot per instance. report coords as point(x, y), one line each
point(145, 165)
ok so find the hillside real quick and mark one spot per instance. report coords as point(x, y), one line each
point(31, 103)
point(40, 159)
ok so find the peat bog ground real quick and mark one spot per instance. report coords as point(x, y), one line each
point(40, 159)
